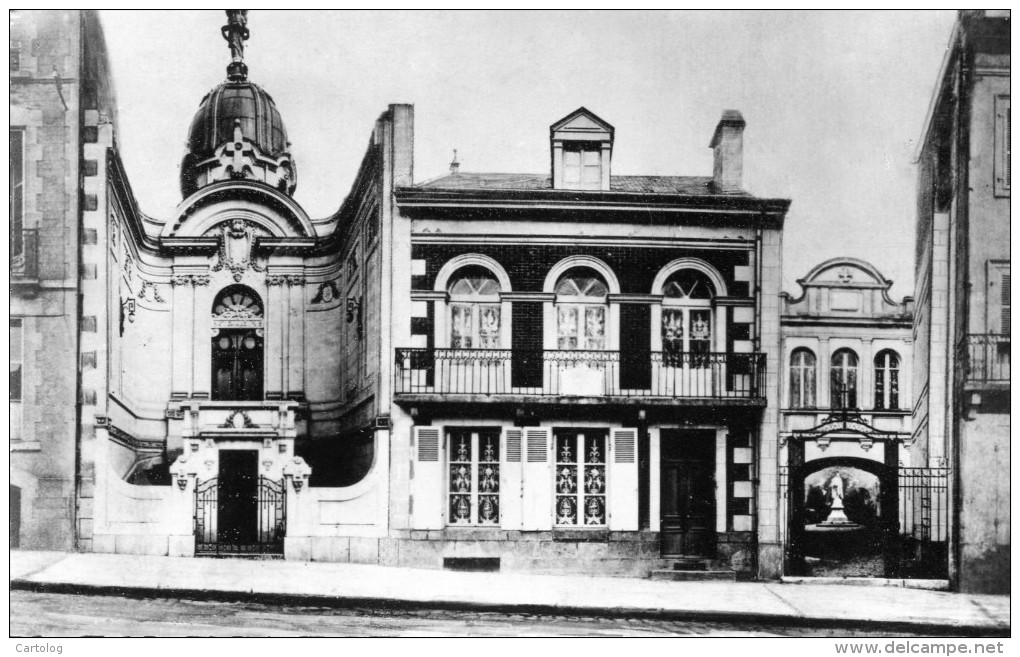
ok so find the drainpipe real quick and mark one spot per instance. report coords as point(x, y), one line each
point(756, 347)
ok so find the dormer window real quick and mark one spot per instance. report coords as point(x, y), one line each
point(582, 149)
point(582, 165)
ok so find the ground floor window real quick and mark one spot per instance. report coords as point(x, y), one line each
point(473, 488)
point(580, 477)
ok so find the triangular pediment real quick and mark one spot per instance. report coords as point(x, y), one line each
point(583, 121)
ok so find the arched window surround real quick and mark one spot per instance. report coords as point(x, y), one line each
point(447, 274)
point(612, 323)
point(718, 313)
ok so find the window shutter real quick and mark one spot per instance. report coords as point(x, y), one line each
point(623, 480)
point(1003, 145)
point(538, 478)
point(511, 476)
point(427, 481)
point(1004, 323)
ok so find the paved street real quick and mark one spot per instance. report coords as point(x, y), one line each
point(54, 614)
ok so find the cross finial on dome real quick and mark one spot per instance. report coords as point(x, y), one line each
point(236, 33)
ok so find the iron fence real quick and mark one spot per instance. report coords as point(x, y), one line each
point(984, 358)
point(924, 522)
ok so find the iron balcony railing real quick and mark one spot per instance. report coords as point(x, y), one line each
point(984, 358)
point(25, 254)
point(567, 373)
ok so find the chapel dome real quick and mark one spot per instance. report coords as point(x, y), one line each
point(261, 150)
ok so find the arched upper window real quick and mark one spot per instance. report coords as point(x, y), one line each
point(887, 380)
point(237, 302)
point(581, 310)
point(237, 344)
point(843, 389)
point(474, 309)
point(688, 284)
point(687, 313)
point(802, 379)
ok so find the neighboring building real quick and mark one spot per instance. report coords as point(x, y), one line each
point(60, 95)
point(846, 400)
point(962, 265)
point(579, 370)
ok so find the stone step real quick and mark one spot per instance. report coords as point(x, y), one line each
point(692, 563)
point(693, 575)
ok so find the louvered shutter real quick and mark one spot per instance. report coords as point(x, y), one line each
point(427, 492)
point(537, 493)
point(510, 478)
point(1004, 296)
point(623, 480)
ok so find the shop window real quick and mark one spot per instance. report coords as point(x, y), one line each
point(887, 380)
point(581, 478)
point(843, 393)
point(473, 483)
point(802, 379)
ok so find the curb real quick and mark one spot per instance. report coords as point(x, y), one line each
point(941, 629)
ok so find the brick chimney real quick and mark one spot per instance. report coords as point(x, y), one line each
point(728, 143)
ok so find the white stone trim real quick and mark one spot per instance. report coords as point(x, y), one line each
point(569, 263)
point(690, 263)
point(468, 259)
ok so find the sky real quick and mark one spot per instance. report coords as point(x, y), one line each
point(834, 102)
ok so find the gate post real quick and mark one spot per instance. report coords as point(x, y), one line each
point(297, 542)
point(795, 504)
point(891, 492)
point(181, 542)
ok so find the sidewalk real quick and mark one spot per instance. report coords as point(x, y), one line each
point(341, 584)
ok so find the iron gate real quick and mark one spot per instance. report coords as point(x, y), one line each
point(215, 538)
point(921, 550)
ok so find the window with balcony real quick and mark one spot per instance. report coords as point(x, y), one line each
point(17, 351)
point(843, 391)
point(581, 307)
point(887, 380)
point(473, 481)
point(474, 309)
point(802, 379)
point(581, 478)
point(17, 196)
point(686, 315)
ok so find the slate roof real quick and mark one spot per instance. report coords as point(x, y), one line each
point(685, 185)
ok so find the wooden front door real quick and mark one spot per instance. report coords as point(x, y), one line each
point(687, 495)
point(238, 513)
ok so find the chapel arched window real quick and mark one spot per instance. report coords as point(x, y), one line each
point(887, 380)
point(474, 309)
point(581, 303)
point(802, 379)
point(843, 391)
point(237, 345)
